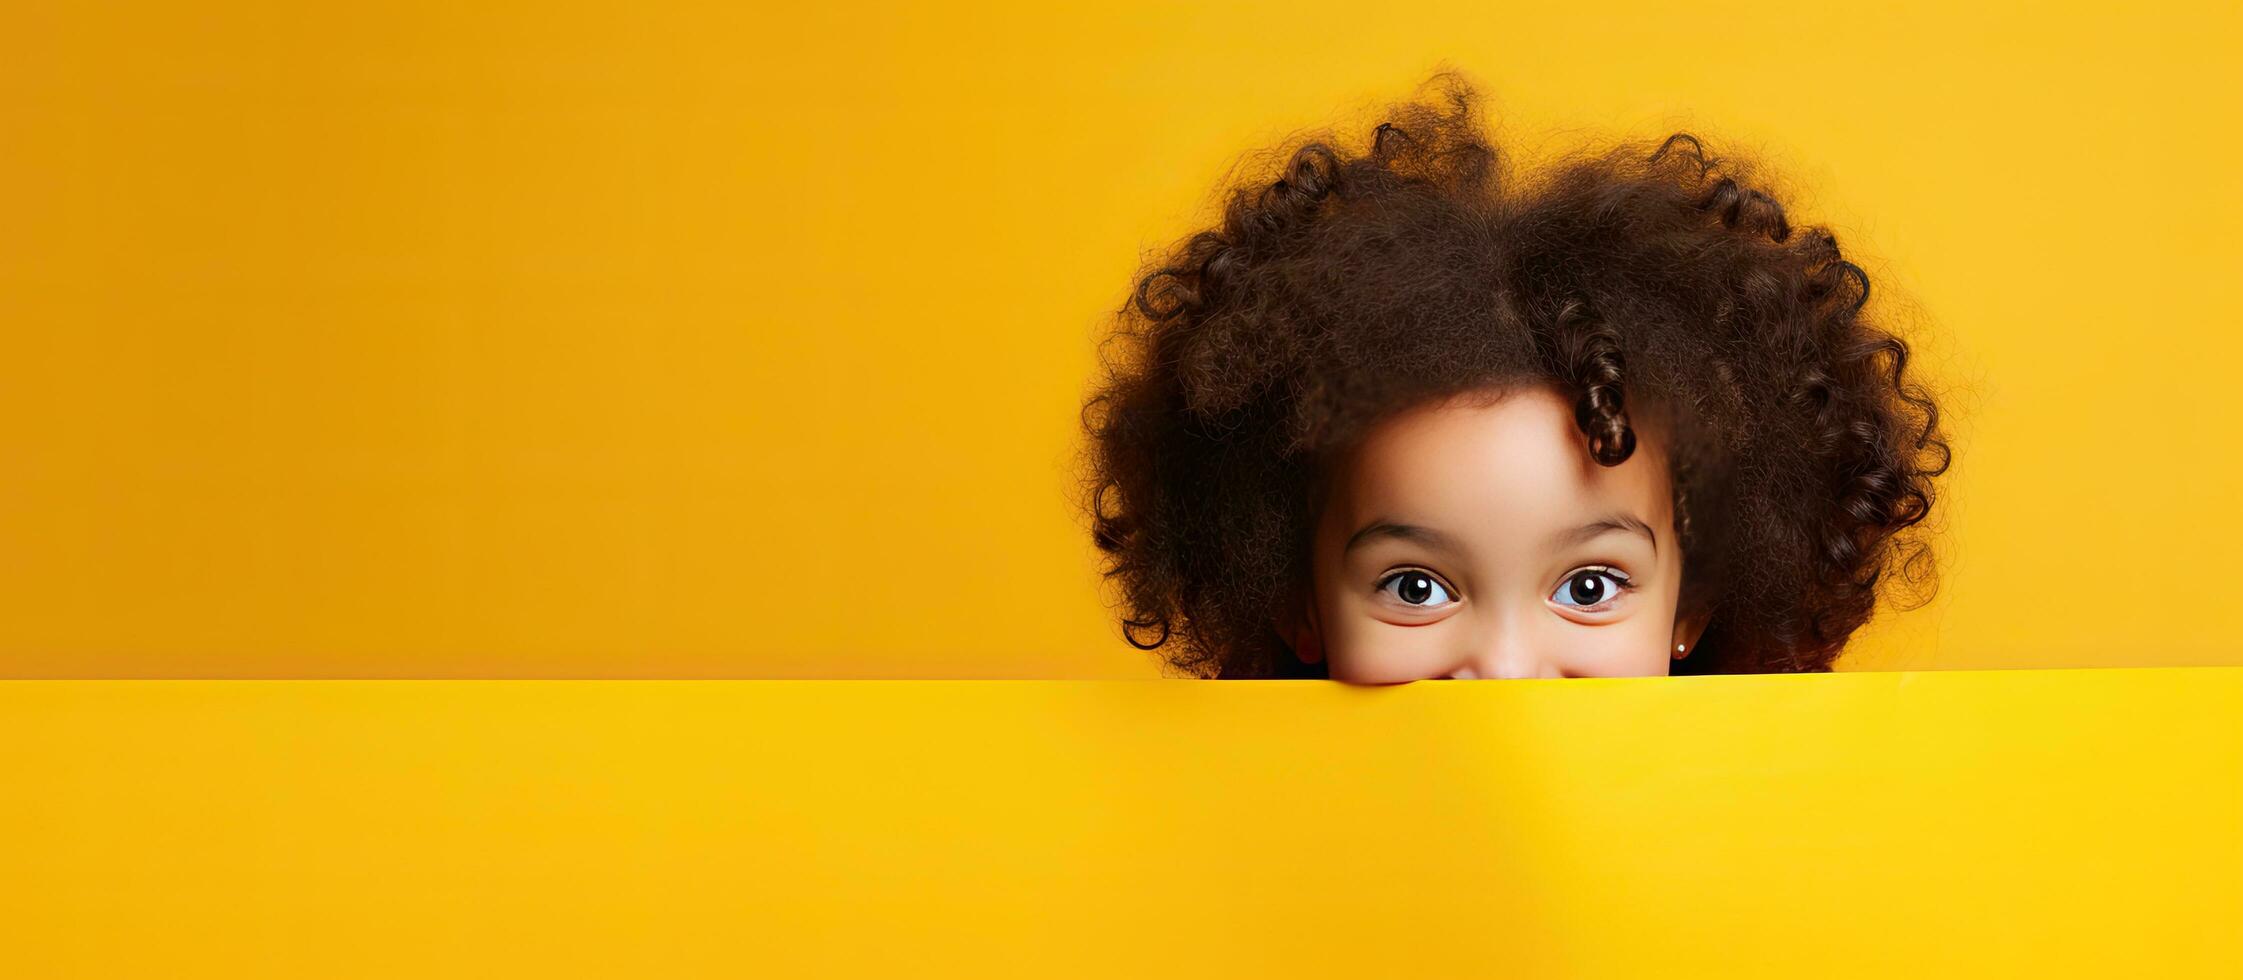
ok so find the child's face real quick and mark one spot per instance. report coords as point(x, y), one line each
point(1476, 538)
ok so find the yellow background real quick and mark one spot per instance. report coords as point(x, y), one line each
point(1896, 824)
point(477, 339)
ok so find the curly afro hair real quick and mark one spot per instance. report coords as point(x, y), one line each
point(1655, 278)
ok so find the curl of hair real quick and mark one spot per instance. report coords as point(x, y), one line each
point(1348, 284)
point(1584, 355)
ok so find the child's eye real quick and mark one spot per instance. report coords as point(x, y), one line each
point(1589, 587)
point(1415, 588)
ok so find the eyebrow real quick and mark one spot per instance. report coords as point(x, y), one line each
point(1605, 525)
point(1432, 538)
point(1403, 532)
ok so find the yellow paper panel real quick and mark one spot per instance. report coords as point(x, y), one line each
point(1966, 823)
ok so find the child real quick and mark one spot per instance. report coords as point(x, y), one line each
point(1403, 415)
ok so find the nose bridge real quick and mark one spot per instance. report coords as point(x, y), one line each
point(1504, 647)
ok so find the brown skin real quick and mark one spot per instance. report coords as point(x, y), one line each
point(1486, 543)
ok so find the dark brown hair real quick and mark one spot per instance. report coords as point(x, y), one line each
point(1648, 276)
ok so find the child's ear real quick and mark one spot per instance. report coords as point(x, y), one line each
point(1299, 628)
point(1688, 627)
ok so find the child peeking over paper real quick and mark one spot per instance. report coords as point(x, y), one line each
point(1406, 414)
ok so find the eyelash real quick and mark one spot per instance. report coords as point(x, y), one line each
point(1396, 576)
point(1626, 584)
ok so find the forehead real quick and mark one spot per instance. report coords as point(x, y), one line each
point(1494, 462)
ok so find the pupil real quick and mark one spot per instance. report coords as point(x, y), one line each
point(1416, 589)
point(1588, 589)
